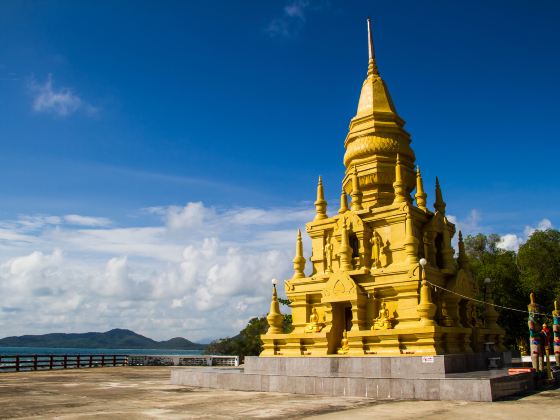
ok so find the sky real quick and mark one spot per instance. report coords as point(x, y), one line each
point(157, 157)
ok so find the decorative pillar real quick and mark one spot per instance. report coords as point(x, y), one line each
point(401, 196)
point(320, 203)
point(274, 316)
point(345, 252)
point(426, 308)
point(299, 260)
point(535, 343)
point(356, 193)
point(411, 242)
point(556, 332)
point(343, 203)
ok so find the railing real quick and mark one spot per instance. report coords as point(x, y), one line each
point(195, 360)
point(21, 363)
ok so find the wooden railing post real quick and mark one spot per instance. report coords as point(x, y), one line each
point(34, 362)
point(65, 362)
point(51, 362)
point(102, 360)
point(90, 360)
point(17, 363)
point(78, 361)
point(114, 360)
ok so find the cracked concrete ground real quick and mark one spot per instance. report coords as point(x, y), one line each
point(146, 393)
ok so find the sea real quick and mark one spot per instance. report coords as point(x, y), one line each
point(47, 351)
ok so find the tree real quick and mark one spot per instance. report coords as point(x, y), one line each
point(539, 262)
point(248, 341)
point(489, 261)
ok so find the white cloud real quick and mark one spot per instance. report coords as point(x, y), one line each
point(61, 102)
point(76, 219)
point(470, 225)
point(291, 21)
point(512, 242)
point(200, 272)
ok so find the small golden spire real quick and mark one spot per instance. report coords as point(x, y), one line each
point(299, 260)
point(274, 317)
point(372, 65)
point(420, 194)
point(426, 308)
point(345, 252)
point(400, 193)
point(356, 194)
point(462, 259)
point(439, 205)
point(343, 202)
point(320, 204)
point(556, 312)
point(411, 243)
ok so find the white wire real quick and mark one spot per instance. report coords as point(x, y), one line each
point(486, 303)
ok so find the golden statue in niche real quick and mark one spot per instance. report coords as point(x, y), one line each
point(329, 247)
point(376, 245)
point(384, 320)
point(371, 250)
point(314, 324)
point(344, 346)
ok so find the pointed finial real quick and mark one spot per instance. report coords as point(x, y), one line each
point(439, 205)
point(420, 194)
point(274, 317)
point(556, 312)
point(356, 193)
point(299, 260)
point(372, 65)
point(320, 204)
point(462, 259)
point(343, 203)
point(400, 192)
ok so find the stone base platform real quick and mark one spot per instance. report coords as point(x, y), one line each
point(448, 377)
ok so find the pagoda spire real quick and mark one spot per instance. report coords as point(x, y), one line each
point(439, 204)
point(420, 194)
point(299, 260)
point(356, 193)
point(372, 65)
point(343, 202)
point(320, 204)
point(375, 132)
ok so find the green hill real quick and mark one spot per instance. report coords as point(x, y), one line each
point(114, 339)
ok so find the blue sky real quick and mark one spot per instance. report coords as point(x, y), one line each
point(114, 116)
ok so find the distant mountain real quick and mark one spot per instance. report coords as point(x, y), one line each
point(114, 339)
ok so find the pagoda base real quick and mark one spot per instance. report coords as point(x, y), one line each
point(418, 340)
point(444, 377)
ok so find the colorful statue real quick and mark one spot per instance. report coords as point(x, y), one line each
point(556, 331)
point(535, 341)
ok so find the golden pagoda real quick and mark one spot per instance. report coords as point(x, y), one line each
point(384, 279)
